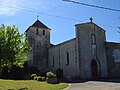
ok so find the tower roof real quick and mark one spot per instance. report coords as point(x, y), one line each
point(39, 25)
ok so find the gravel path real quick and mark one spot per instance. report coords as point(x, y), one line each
point(95, 85)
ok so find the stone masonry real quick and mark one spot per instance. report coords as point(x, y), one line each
point(87, 56)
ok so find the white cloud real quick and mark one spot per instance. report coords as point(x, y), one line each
point(5, 7)
point(11, 7)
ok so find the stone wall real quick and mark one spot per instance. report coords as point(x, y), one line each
point(113, 59)
point(84, 45)
point(40, 44)
point(59, 52)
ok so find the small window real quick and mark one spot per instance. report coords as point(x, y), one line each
point(53, 61)
point(67, 58)
point(43, 32)
point(30, 42)
point(37, 31)
point(93, 39)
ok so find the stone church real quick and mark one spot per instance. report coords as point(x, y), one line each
point(86, 56)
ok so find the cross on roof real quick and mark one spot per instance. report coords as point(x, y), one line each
point(37, 17)
point(91, 19)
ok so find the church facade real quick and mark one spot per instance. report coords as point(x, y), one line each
point(86, 56)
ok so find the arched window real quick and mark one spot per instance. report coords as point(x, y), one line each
point(53, 61)
point(67, 58)
point(37, 31)
point(43, 32)
point(93, 39)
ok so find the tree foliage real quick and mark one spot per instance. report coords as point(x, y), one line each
point(13, 46)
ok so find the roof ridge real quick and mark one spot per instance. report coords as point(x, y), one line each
point(39, 24)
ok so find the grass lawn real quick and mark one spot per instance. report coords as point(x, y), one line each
point(29, 85)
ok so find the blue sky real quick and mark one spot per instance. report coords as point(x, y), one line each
point(23, 13)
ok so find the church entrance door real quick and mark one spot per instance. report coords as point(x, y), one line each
point(94, 69)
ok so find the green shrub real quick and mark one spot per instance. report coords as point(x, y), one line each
point(39, 78)
point(43, 79)
point(33, 76)
point(51, 75)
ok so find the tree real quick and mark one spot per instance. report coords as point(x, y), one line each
point(13, 46)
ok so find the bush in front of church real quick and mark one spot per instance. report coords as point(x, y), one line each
point(51, 78)
point(39, 78)
point(51, 75)
point(33, 76)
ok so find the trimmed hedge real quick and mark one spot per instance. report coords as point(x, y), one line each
point(38, 78)
point(33, 76)
point(51, 75)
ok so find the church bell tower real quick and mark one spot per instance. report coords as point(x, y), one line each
point(38, 36)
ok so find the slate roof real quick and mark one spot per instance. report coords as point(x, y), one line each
point(38, 24)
